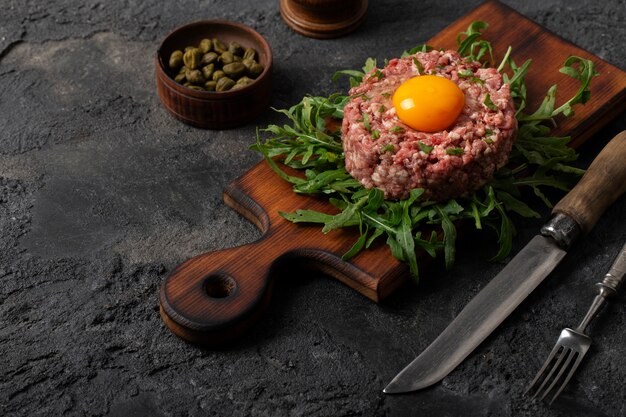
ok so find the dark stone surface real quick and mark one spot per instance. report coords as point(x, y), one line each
point(102, 194)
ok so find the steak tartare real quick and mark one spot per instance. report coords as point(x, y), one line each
point(381, 151)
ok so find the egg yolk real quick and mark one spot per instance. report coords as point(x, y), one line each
point(428, 103)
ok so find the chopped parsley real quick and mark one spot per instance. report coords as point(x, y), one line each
point(469, 75)
point(388, 148)
point(455, 151)
point(396, 129)
point(424, 148)
point(364, 96)
point(418, 65)
point(488, 103)
point(382, 108)
point(375, 134)
point(386, 95)
point(378, 74)
point(366, 122)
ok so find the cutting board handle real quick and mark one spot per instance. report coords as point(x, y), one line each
point(213, 298)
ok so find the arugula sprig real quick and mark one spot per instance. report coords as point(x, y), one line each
point(539, 161)
point(472, 46)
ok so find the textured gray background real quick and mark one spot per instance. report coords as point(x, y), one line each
point(102, 193)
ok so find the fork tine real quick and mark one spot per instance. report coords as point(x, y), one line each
point(543, 369)
point(573, 368)
point(568, 356)
point(557, 365)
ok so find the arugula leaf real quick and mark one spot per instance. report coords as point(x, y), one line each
point(578, 68)
point(470, 44)
point(416, 49)
point(449, 237)
point(357, 247)
point(306, 216)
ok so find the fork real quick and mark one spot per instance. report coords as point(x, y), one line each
point(572, 345)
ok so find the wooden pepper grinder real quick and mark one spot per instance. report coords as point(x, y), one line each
point(323, 19)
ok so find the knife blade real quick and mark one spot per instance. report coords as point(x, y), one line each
point(574, 215)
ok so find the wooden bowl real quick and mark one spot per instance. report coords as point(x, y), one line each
point(206, 109)
point(323, 19)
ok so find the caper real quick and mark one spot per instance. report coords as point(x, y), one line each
point(226, 58)
point(205, 45)
point(250, 53)
point(180, 78)
point(218, 46)
point(224, 84)
point(245, 80)
point(192, 58)
point(195, 87)
point(217, 75)
point(207, 71)
point(195, 77)
point(188, 48)
point(237, 58)
point(235, 48)
point(183, 70)
point(208, 58)
point(234, 70)
point(210, 85)
point(176, 60)
point(242, 82)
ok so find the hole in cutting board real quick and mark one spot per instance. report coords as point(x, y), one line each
point(219, 286)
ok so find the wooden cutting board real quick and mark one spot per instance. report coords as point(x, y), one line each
point(214, 297)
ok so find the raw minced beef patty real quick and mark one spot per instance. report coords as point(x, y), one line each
point(463, 158)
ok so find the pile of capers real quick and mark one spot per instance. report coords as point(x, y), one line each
point(213, 66)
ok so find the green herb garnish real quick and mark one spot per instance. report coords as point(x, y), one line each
point(424, 148)
point(375, 134)
point(378, 74)
point(387, 148)
point(538, 161)
point(366, 122)
point(472, 46)
point(470, 76)
point(455, 151)
point(418, 65)
point(488, 103)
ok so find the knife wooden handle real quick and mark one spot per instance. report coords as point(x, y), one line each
point(603, 183)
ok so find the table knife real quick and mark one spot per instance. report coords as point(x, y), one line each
point(573, 216)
